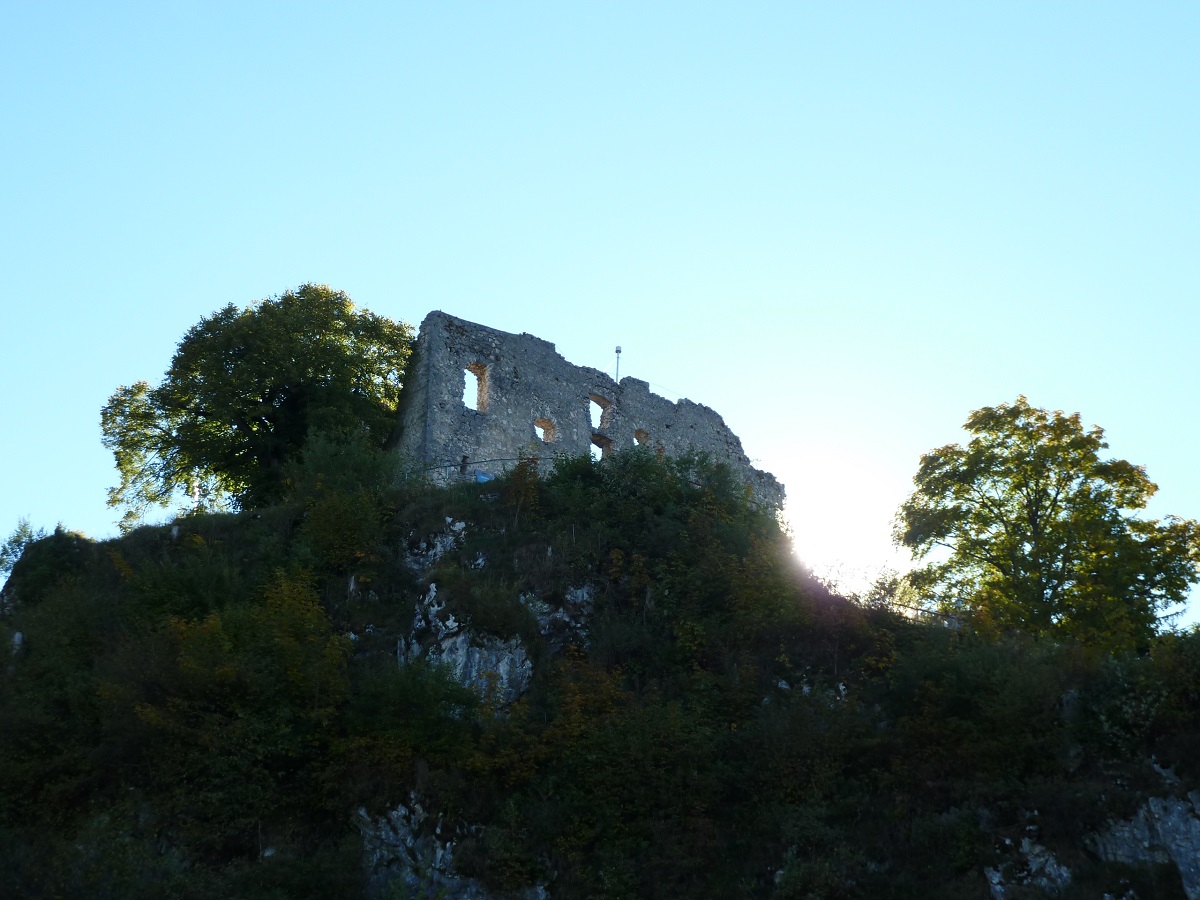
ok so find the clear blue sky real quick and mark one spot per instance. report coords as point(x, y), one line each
point(843, 227)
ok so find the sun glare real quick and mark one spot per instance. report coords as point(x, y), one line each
point(840, 508)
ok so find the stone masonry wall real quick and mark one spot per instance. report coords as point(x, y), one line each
point(529, 399)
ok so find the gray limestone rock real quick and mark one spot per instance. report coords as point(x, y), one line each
point(430, 551)
point(1163, 830)
point(1033, 866)
point(498, 671)
point(408, 847)
point(565, 624)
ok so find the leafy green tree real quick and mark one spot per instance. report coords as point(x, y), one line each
point(22, 536)
point(245, 389)
point(1029, 529)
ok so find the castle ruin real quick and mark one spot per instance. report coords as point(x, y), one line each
point(475, 399)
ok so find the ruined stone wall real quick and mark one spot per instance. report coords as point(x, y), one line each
point(531, 400)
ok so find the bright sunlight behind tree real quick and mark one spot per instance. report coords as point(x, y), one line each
point(245, 389)
point(1040, 532)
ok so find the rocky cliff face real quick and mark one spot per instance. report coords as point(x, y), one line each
point(408, 846)
point(1164, 830)
point(498, 671)
point(410, 852)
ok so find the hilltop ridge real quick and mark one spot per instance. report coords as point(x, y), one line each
point(600, 678)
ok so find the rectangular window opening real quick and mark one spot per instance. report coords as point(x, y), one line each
point(601, 447)
point(600, 409)
point(475, 387)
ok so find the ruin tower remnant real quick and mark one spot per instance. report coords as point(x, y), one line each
point(475, 399)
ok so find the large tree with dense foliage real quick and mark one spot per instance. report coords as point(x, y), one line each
point(1028, 528)
point(245, 389)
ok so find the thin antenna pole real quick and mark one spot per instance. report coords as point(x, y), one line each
point(618, 379)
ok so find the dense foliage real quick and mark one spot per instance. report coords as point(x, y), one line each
point(244, 391)
point(188, 716)
point(22, 536)
point(1031, 530)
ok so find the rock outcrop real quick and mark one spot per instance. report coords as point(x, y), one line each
point(408, 847)
point(1164, 830)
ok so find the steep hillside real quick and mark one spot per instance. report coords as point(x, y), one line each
point(612, 681)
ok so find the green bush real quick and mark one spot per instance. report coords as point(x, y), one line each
point(187, 697)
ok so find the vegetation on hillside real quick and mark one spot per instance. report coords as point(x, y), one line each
point(188, 715)
point(215, 706)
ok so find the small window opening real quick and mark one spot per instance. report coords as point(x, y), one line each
point(641, 437)
point(546, 431)
point(600, 410)
point(475, 387)
point(601, 446)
